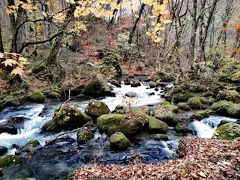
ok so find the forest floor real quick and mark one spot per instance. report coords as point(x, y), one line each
point(199, 159)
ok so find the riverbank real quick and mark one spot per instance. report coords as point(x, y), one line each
point(199, 159)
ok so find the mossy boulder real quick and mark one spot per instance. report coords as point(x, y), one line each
point(235, 77)
point(84, 135)
point(161, 76)
point(96, 108)
point(121, 109)
point(31, 144)
point(172, 107)
point(157, 126)
point(133, 123)
point(229, 95)
point(164, 103)
point(195, 103)
point(183, 106)
point(181, 97)
point(119, 141)
point(8, 160)
point(152, 84)
point(159, 137)
point(98, 88)
point(37, 97)
point(226, 108)
point(227, 131)
point(203, 114)
point(3, 150)
point(67, 117)
point(110, 122)
point(165, 114)
point(180, 128)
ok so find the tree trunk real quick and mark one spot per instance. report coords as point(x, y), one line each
point(135, 24)
point(115, 11)
point(193, 35)
point(1, 42)
point(18, 36)
point(56, 46)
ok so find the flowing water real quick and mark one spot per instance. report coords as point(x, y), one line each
point(206, 127)
point(55, 161)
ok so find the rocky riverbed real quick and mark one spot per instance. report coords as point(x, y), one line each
point(134, 124)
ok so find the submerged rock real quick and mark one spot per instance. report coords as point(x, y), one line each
point(152, 84)
point(83, 135)
point(31, 144)
point(119, 141)
point(227, 131)
point(96, 108)
point(5, 128)
point(135, 84)
point(131, 94)
point(115, 83)
point(67, 117)
point(3, 150)
point(159, 137)
point(9, 160)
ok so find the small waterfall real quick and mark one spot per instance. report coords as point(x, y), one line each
point(206, 127)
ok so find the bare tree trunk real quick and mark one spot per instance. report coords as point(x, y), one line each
point(135, 24)
point(115, 11)
point(193, 35)
point(1, 41)
point(237, 44)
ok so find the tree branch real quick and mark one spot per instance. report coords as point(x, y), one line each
point(38, 42)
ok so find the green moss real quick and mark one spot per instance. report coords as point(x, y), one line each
point(110, 122)
point(228, 131)
point(157, 126)
point(159, 137)
point(195, 103)
point(9, 160)
point(181, 97)
point(67, 117)
point(229, 95)
point(119, 141)
point(203, 114)
point(31, 143)
point(164, 103)
point(37, 97)
point(84, 135)
point(236, 77)
point(133, 123)
point(96, 108)
point(165, 114)
point(226, 108)
point(184, 106)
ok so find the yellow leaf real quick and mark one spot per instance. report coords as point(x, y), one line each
point(9, 62)
point(17, 71)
